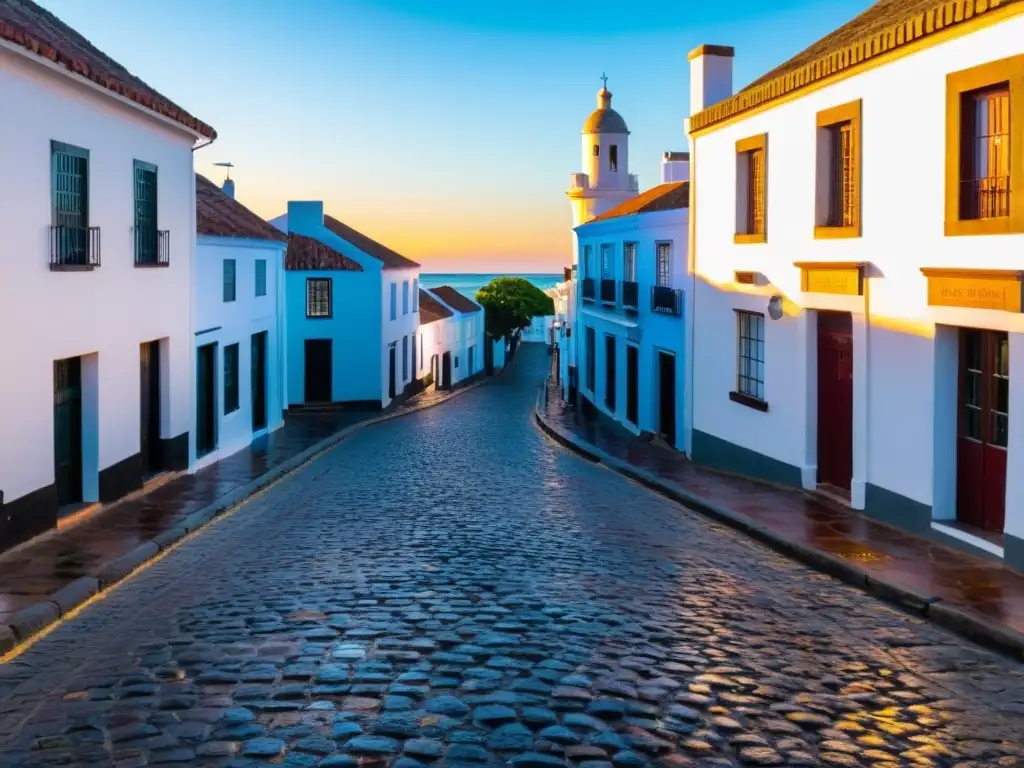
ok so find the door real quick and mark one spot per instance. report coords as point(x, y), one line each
point(391, 371)
point(609, 372)
point(632, 380)
point(258, 365)
point(982, 428)
point(667, 397)
point(472, 370)
point(835, 399)
point(206, 399)
point(319, 356)
point(446, 370)
point(149, 406)
point(489, 356)
point(67, 430)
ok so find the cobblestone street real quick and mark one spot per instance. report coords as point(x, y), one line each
point(454, 589)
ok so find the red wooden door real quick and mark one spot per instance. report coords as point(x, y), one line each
point(835, 399)
point(982, 428)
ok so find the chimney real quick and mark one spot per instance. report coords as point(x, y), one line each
point(675, 166)
point(229, 188)
point(306, 217)
point(710, 76)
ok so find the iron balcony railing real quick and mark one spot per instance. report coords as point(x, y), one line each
point(74, 248)
point(608, 291)
point(666, 301)
point(987, 198)
point(589, 293)
point(152, 248)
point(630, 295)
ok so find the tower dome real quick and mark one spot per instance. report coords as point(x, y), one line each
point(604, 119)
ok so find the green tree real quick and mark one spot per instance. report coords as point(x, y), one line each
point(510, 304)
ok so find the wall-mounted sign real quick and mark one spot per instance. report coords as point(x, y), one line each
point(998, 289)
point(843, 278)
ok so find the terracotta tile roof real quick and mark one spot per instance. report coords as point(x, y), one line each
point(431, 309)
point(221, 215)
point(885, 26)
point(664, 197)
point(455, 300)
point(308, 253)
point(382, 253)
point(676, 155)
point(24, 23)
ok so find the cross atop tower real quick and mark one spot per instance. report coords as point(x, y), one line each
point(604, 79)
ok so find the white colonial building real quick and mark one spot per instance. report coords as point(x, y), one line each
point(353, 314)
point(633, 314)
point(99, 236)
point(238, 305)
point(466, 337)
point(858, 238)
point(435, 337)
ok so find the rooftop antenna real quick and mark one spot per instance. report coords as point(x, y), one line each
point(229, 166)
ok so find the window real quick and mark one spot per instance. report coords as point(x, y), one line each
point(609, 372)
point(597, 150)
point(415, 295)
point(405, 297)
point(230, 378)
point(750, 358)
point(229, 279)
point(663, 258)
point(261, 277)
point(751, 189)
point(412, 365)
point(629, 262)
point(984, 149)
point(318, 297)
point(591, 362)
point(394, 300)
point(146, 238)
point(588, 266)
point(70, 191)
point(837, 211)
point(607, 265)
point(613, 158)
point(405, 358)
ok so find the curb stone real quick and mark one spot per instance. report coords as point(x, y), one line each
point(963, 621)
point(34, 618)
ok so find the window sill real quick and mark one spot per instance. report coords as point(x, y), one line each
point(319, 317)
point(152, 264)
point(1004, 225)
point(744, 239)
point(750, 402)
point(836, 233)
point(73, 267)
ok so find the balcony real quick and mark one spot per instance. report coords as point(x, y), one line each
point(609, 292)
point(630, 296)
point(666, 301)
point(74, 249)
point(589, 292)
point(153, 248)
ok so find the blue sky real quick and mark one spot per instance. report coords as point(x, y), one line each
point(445, 128)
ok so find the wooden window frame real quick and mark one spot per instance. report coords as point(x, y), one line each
point(744, 147)
point(230, 266)
point(658, 245)
point(261, 277)
point(851, 113)
point(751, 400)
point(1011, 71)
point(310, 281)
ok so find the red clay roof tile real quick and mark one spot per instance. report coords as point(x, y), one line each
point(431, 309)
point(37, 30)
point(382, 253)
point(308, 253)
point(221, 215)
point(664, 197)
point(455, 300)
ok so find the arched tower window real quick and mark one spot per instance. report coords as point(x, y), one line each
point(613, 158)
point(597, 150)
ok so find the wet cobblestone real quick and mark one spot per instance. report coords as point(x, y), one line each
point(454, 590)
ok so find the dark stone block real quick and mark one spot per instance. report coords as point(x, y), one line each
point(117, 569)
point(174, 452)
point(74, 594)
point(121, 478)
point(894, 509)
point(721, 454)
point(1013, 552)
point(35, 617)
point(27, 516)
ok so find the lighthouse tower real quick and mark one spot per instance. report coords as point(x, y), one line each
point(606, 180)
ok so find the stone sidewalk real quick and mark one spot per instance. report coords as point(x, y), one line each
point(979, 598)
point(52, 574)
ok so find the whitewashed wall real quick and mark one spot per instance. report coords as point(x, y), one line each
point(404, 325)
point(106, 313)
point(234, 322)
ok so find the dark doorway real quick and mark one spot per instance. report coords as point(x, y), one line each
point(206, 399)
point(435, 370)
point(489, 356)
point(258, 365)
point(446, 370)
point(632, 382)
point(149, 407)
point(318, 370)
point(609, 372)
point(391, 371)
point(982, 432)
point(835, 399)
point(67, 430)
point(667, 397)
point(471, 370)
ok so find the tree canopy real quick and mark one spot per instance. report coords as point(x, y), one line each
point(511, 303)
